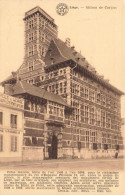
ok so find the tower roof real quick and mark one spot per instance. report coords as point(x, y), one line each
point(39, 10)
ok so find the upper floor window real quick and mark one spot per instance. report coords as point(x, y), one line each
point(98, 99)
point(31, 51)
point(31, 24)
point(31, 37)
point(1, 143)
point(91, 96)
point(86, 93)
point(13, 121)
point(31, 66)
point(1, 118)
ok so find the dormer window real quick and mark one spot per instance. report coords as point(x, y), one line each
point(78, 59)
point(52, 60)
point(74, 53)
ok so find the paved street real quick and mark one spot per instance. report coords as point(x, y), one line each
point(67, 164)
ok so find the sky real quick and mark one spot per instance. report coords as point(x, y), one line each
point(96, 29)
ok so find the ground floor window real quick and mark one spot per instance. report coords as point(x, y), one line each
point(13, 143)
point(87, 139)
point(1, 143)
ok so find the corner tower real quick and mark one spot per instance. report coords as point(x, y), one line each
point(40, 29)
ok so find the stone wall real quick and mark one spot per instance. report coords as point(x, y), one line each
point(33, 153)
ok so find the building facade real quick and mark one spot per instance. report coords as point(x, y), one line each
point(82, 119)
point(11, 128)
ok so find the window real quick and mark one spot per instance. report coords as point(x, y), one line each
point(55, 111)
point(86, 114)
point(87, 139)
point(61, 112)
point(92, 116)
point(91, 96)
point(108, 120)
point(51, 75)
point(68, 143)
point(31, 52)
point(98, 97)
point(98, 117)
point(43, 37)
point(1, 143)
point(30, 66)
point(34, 140)
point(77, 118)
point(42, 78)
point(61, 88)
point(50, 88)
point(86, 93)
point(30, 37)
point(1, 118)
point(103, 99)
point(61, 72)
point(43, 51)
point(13, 121)
point(50, 110)
point(93, 136)
point(31, 24)
point(13, 143)
point(102, 118)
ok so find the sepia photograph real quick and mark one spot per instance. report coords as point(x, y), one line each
point(62, 87)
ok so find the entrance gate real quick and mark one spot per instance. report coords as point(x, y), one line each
point(52, 150)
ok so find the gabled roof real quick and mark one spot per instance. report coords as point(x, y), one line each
point(59, 51)
point(22, 87)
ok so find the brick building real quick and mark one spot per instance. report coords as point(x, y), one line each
point(70, 110)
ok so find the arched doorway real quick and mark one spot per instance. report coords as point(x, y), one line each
point(54, 146)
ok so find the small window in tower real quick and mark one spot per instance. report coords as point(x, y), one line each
point(31, 66)
point(29, 24)
point(43, 37)
point(31, 52)
point(31, 37)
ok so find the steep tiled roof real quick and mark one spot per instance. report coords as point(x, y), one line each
point(21, 87)
point(61, 52)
